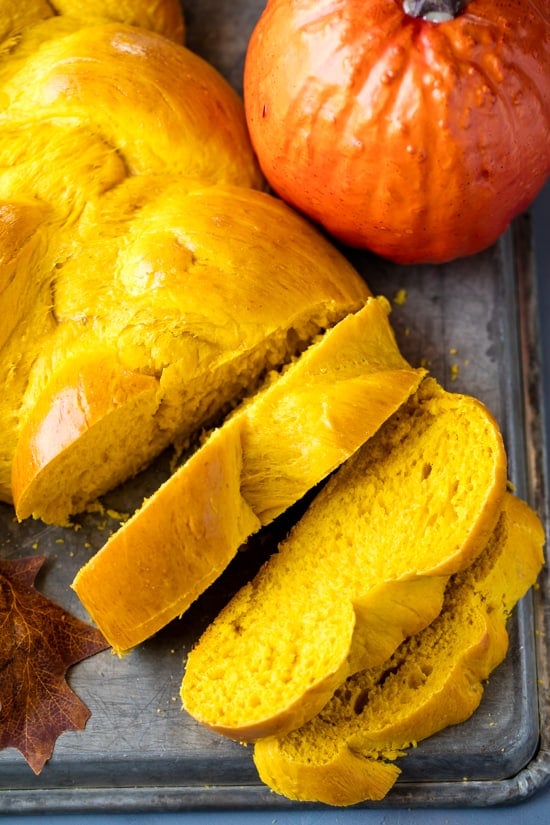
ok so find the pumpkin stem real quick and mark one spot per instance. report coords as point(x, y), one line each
point(436, 11)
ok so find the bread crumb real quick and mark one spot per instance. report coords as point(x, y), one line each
point(95, 507)
point(454, 371)
point(114, 514)
point(400, 297)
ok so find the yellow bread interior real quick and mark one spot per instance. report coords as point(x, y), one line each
point(365, 567)
point(278, 444)
point(94, 410)
point(347, 753)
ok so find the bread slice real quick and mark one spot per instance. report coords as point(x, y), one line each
point(347, 753)
point(267, 455)
point(365, 567)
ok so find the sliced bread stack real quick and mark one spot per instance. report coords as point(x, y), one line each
point(382, 612)
point(365, 567)
point(347, 753)
point(272, 449)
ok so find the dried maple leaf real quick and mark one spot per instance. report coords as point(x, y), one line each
point(39, 641)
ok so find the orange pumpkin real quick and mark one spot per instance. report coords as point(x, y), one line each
point(419, 137)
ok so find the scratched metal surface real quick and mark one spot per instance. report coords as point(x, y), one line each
point(473, 323)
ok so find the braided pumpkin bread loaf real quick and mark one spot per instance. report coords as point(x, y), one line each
point(365, 567)
point(197, 311)
point(280, 443)
point(146, 284)
point(347, 753)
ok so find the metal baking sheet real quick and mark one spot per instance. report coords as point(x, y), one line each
point(473, 322)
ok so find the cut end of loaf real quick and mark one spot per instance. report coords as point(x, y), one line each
point(73, 445)
point(74, 436)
